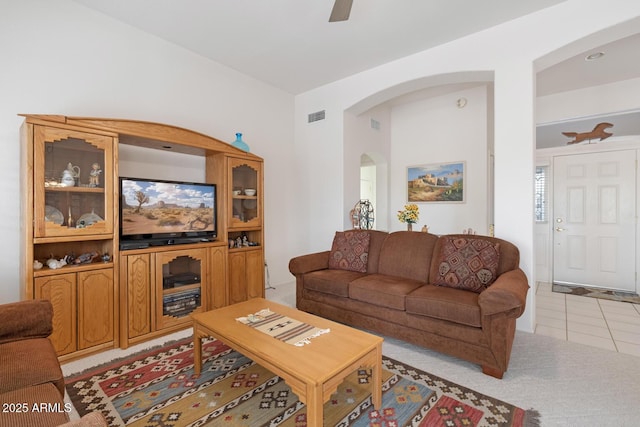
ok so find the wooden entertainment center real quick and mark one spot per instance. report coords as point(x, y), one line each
point(105, 296)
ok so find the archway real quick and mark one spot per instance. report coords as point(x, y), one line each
point(368, 130)
point(374, 186)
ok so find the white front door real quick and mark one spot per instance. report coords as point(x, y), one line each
point(594, 221)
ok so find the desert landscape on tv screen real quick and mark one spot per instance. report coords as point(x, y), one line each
point(159, 207)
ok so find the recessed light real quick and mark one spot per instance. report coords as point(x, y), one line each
point(594, 56)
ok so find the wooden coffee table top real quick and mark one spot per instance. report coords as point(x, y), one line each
point(322, 359)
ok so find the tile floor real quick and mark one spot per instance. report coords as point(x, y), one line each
point(611, 325)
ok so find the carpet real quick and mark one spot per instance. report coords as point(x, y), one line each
point(588, 291)
point(159, 388)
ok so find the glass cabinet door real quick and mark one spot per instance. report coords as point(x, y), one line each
point(246, 197)
point(73, 183)
point(179, 276)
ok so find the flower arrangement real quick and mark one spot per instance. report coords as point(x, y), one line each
point(409, 214)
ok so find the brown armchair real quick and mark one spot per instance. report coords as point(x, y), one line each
point(31, 381)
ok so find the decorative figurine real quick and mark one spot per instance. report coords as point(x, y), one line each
point(71, 175)
point(94, 175)
point(67, 179)
point(37, 265)
point(598, 132)
point(53, 263)
point(85, 258)
point(70, 223)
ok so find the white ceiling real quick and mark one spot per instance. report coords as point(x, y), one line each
point(621, 61)
point(291, 45)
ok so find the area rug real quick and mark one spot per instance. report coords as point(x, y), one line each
point(159, 388)
point(588, 291)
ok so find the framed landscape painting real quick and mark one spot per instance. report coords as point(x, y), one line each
point(440, 182)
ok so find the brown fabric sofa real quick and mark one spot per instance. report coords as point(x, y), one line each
point(395, 294)
point(31, 381)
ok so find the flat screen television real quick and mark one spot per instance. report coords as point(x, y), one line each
point(160, 212)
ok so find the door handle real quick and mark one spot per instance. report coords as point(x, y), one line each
point(559, 229)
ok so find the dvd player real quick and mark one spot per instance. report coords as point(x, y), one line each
point(182, 279)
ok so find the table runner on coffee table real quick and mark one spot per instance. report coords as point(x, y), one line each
point(281, 327)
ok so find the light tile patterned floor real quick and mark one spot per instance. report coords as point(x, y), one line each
point(611, 325)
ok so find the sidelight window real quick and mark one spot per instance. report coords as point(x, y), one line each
point(541, 193)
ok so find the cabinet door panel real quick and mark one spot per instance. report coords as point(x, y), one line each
point(255, 274)
point(237, 278)
point(217, 282)
point(139, 282)
point(73, 188)
point(176, 302)
point(245, 207)
point(95, 308)
point(61, 291)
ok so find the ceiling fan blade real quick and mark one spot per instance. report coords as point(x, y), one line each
point(341, 10)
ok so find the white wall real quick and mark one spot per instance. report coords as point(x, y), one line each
point(368, 187)
point(139, 162)
point(429, 131)
point(62, 58)
point(509, 52)
point(360, 138)
point(592, 101)
point(415, 131)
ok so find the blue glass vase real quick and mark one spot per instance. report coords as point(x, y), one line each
point(239, 143)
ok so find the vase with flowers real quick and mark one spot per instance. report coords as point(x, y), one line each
point(409, 215)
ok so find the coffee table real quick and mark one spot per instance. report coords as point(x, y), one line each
point(313, 371)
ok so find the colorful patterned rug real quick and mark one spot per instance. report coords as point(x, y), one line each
point(159, 388)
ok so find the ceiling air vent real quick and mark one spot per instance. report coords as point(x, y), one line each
point(317, 116)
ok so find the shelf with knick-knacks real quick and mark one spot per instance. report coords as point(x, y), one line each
point(73, 183)
point(245, 208)
point(70, 238)
point(239, 240)
point(74, 255)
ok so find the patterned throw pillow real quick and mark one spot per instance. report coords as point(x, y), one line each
point(350, 251)
point(467, 263)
